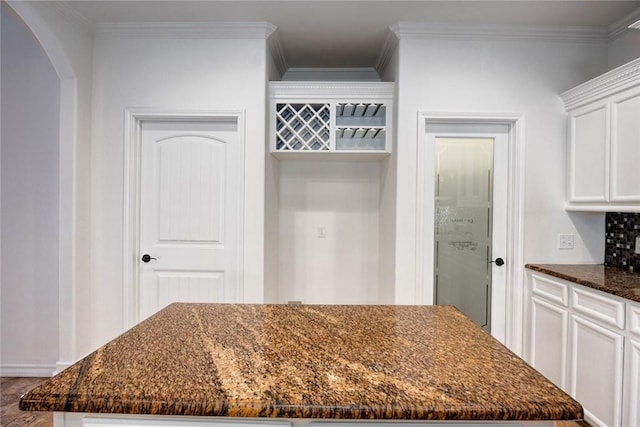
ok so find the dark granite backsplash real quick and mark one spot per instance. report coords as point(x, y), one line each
point(620, 240)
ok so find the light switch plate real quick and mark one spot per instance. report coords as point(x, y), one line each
point(637, 245)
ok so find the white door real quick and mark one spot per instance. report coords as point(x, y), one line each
point(469, 219)
point(190, 213)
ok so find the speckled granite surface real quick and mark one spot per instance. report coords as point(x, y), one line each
point(354, 362)
point(611, 280)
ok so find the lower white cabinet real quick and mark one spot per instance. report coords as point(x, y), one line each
point(549, 328)
point(588, 343)
point(632, 369)
point(597, 354)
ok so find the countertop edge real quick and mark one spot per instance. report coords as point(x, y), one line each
point(551, 271)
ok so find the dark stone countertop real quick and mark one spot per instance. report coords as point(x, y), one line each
point(306, 361)
point(611, 280)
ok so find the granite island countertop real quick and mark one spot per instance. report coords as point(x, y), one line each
point(306, 361)
point(612, 280)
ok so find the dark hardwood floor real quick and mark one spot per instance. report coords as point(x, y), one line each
point(11, 389)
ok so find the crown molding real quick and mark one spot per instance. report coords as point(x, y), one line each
point(70, 14)
point(364, 74)
point(607, 84)
point(623, 24)
point(184, 30)
point(418, 30)
point(388, 49)
point(274, 44)
point(330, 90)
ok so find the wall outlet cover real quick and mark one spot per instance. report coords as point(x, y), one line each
point(565, 241)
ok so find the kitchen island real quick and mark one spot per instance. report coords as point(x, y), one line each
point(302, 364)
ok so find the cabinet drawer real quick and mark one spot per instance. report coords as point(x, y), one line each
point(599, 307)
point(551, 290)
point(634, 319)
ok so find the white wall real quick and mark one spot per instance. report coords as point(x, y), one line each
point(271, 188)
point(173, 74)
point(499, 76)
point(624, 48)
point(30, 113)
point(388, 195)
point(343, 198)
point(68, 41)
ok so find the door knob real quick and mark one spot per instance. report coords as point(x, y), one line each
point(147, 258)
point(498, 262)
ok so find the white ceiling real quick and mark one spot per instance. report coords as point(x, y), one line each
point(350, 33)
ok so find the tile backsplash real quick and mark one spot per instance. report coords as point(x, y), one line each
point(620, 240)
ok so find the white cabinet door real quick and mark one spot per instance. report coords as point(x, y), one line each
point(632, 390)
point(548, 341)
point(625, 148)
point(596, 371)
point(588, 154)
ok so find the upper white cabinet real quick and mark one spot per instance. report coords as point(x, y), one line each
point(312, 120)
point(604, 142)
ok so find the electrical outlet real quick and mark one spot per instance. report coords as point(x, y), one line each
point(565, 241)
point(638, 245)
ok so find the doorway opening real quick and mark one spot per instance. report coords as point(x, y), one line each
point(184, 209)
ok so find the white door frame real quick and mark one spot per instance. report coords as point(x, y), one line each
point(515, 202)
point(133, 118)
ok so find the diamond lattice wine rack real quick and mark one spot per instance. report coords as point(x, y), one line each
point(313, 120)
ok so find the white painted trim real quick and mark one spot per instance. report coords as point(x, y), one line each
point(274, 44)
point(601, 207)
point(388, 48)
point(69, 13)
point(624, 24)
point(330, 90)
point(184, 30)
point(362, 74)
point(26, 370)
point(616, 80)
point(406, 30)
point(133, 118)
point(67, 180)
point(514, 310)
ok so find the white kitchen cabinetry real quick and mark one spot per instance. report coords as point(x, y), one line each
point(596, 371)
point(588, 343)
point(337, 120)
point(632, 369)
point(549, 328)
point(604, 142)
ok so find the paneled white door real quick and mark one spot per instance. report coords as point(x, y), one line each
point(190, 213)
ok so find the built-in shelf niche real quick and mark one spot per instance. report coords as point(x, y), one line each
point(338, 118)
point(329, 216)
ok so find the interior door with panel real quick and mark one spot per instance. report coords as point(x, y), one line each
point(190, 213)
point(471, 185)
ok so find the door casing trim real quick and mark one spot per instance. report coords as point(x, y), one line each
point(515, 215)
point(133, 118)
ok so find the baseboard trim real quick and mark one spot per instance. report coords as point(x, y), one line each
point(26, 370)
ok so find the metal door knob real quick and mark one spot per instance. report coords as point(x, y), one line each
point(498, 262)
point(147, 258)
